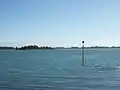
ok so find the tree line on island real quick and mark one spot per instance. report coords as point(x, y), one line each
point(31, 47)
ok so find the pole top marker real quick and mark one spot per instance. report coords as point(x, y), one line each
point(82, 41)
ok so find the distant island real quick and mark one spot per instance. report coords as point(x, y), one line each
point(35, 47)
point(29, 47)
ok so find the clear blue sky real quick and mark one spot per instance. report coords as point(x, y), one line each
point(59, 22)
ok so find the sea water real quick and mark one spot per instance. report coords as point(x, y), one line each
point(60, 69)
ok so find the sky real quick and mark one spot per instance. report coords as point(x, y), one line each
point(60, 22)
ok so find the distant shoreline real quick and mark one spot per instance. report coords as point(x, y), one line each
point(35, 47)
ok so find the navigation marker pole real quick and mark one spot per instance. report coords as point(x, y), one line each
point(82, 53)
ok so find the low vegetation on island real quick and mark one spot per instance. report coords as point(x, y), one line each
point(6, 48)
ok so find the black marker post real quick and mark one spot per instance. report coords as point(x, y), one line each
point(82, 53)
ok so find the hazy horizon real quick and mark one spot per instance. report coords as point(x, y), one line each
point(59, 22)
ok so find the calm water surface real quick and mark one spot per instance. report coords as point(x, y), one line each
point(60, 70)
